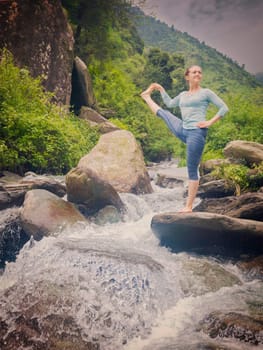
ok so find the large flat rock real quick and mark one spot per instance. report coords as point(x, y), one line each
point(208, 233)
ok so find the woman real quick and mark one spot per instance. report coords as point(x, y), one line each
point(192, 129)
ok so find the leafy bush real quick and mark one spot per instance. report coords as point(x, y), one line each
point(235, 174)
point(35, 134)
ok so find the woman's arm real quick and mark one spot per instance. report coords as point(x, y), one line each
point(218, 102)
point(168, 101)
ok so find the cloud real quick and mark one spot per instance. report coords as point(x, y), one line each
point(233, 27)
point(224, 9)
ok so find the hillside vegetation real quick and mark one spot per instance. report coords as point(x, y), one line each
point(36, 134)
point(125, 51)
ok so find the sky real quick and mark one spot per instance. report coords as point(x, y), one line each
point(233, 27)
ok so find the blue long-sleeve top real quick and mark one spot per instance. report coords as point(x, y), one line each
point(194, 106)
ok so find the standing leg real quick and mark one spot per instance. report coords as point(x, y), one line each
point(192, 190)
point(195, 146)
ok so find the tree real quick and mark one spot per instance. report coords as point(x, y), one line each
point(158, 67)
point(92, 20)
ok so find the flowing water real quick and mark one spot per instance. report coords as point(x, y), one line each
point(120, 289)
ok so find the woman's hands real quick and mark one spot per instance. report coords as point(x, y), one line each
point(204, 124)
point(152, 87)
point(156, 86)
point(208, 123)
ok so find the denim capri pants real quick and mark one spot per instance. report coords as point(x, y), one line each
point(193, 138)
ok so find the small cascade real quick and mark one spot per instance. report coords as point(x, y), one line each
point(113, 287)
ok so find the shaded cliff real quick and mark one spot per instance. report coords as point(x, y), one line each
point(40, 38)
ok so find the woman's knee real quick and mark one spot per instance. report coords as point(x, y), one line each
point(193, 171)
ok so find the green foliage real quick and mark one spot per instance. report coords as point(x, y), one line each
point(36, 134)
point(235, 174)
point(95, 24)
point(158, 68)
point(164, 68)
point(242, 177)
point(242, 122)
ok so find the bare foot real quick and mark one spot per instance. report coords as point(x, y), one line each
point(146, 93)
point(186, 210)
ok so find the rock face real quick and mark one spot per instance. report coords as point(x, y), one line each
point(250, 152)
point(82, 92)
point(95, 119)
point(118, 160)
point(38, 35)
point(43, 213)
point(85, 188)
point(208, 233)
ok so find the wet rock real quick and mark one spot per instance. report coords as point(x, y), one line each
point(118, 160)
point(168, 182)
point(246, 206)
point(43, 213)
point(172, 344)
point(245, 151)
point(206, 178)
point(216, 189)
point(39, 327)
point(109, 214)
point(11, 198)
point(95, 119)
point(9, 177)
point(233, 325)
point(253, 268)
point(211, 164)
point(45, 183)
point(12, 236)
point(211, 275)
point(208, 233)
point(13, 188)
point(87, 189)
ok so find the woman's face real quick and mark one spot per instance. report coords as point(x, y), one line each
point(194, 75)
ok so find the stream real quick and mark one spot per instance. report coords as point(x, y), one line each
point(115, 286)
